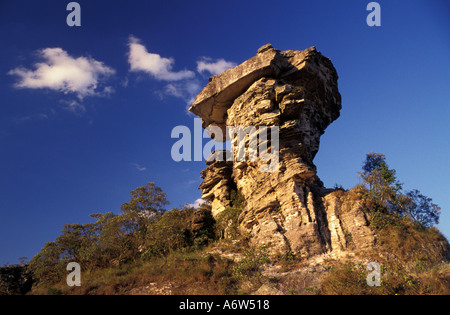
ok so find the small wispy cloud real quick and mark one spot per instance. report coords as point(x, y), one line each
point(156, 66)
point(124, 82)
point(193, 181)
point(207, 64)
point(31, 117)
point(139, 167)
point(61, 72)
point(24, 118)
point(74, 107)
point(186, 90)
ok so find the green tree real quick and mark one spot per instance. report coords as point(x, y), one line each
point(148, 199)
point(421, 209)
point(227, 224)
point(145, 207)
point(381, 182)
point(180, 229)
point(110, 238)
point(47, 266)
point(383, 193)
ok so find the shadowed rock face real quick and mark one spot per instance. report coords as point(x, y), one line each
point(287, 209)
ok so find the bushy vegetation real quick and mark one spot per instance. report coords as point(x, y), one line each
point(142, 232)
point(146, 243)
point(383, 193)
point(249, 265)
point(413, 254)
point(178, 251)
point(350, 278)
point(227, 224)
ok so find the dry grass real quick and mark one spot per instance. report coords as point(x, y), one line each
point(413, 260)
point(183, 273)
point(350, 279)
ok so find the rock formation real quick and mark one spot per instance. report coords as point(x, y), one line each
point(286, 209)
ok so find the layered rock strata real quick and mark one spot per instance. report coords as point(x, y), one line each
point(287, 209)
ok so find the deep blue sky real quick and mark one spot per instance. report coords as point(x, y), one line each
point(65, 154)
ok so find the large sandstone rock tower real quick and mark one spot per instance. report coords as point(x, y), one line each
point(287, 209)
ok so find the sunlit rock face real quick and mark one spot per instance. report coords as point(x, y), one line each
point(286, 207)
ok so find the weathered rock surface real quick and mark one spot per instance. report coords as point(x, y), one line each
point(286, 209)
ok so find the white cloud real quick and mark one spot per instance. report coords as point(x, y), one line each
point(214, 67)
point(139, 167)
point(197, 203)
point(182, 84)
point(61, 72)
point(155, 65)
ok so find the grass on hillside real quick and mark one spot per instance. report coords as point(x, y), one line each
point(181, 272)
point(413, 260)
